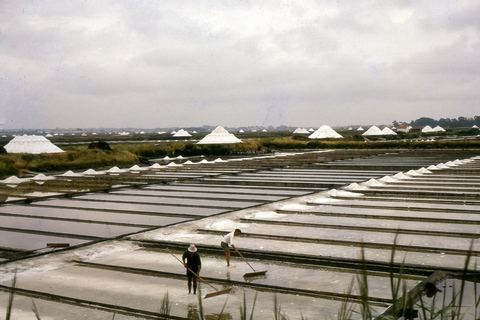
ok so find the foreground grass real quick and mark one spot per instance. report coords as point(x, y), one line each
point(406, 304)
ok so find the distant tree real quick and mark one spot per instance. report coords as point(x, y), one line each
point(444, 122)
point(395, 123)
point(476, 121)
point(424, 122)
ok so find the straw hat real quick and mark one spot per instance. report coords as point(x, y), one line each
point(192, 248)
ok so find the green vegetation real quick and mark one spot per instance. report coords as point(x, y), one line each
point(445, 123)
point(81, 154)
point(78, 158)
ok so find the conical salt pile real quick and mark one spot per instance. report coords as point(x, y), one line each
point(31, 144)
point(325, 132)
point(219, 136)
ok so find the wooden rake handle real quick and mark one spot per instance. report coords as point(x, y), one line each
point(196, 275)
point(245, 260)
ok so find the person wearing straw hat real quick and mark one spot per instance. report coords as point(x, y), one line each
point(227, 242)
point(193, 266)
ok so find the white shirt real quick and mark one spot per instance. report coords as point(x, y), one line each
point(228, 239)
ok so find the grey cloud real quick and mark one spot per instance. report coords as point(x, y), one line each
point(159, 63)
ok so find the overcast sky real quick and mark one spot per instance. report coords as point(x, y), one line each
point(153, 63)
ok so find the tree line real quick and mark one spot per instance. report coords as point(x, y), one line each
point(460, 122)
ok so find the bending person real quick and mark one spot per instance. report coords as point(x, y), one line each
point(227, 242)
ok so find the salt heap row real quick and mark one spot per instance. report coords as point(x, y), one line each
point(402, 176)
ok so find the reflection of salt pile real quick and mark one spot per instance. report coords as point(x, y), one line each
point(70, 173)
point(42, 177)
point(13, 181)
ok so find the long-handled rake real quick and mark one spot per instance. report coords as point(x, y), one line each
point(254, 273)
point(208, 295)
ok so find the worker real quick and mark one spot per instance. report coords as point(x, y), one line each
point(227, 242)
point(193, 266)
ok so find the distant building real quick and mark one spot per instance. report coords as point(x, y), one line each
point(417, 129)
point(403, 129)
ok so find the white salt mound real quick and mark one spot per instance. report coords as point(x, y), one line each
point(173, 164)
point(42, 177)
point(442, 166)
point(413, 173)
point(400, 176)
point(386, 179)
point(372, 182)
point(423, 170)
point(70, 173)
point(13, 180)
point(90, 171)
point(343, 193)
point(354, 186)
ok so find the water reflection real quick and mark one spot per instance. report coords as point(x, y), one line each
point(253, 278)
point(193, 312)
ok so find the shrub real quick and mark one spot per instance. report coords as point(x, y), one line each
point(102, 145)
